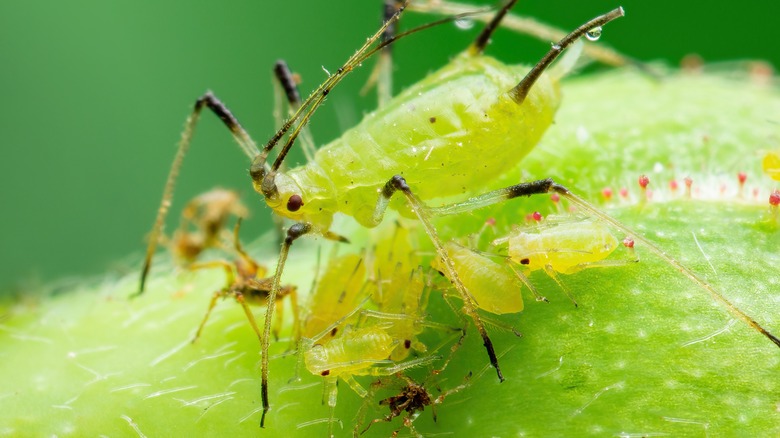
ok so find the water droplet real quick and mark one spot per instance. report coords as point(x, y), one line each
point(556, 47)
point(593, 34)
point(464, 23)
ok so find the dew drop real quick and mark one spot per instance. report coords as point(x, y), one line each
point(464, 23)
point(593, 34)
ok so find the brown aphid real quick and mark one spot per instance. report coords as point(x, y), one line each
point(202, 222)
point(412, 399)
point(246, 281)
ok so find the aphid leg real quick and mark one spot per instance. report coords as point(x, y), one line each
point(453, 349)
point(249, 315)
point(229, 281)
point(217, 295)
point(548, 269)
point(247, 266)
point(501, 325)
point(294, 232)
point(523, 278)
point(349, 379)
point(397, 183)
point(239, 134)
point(520, 92)
point(329, 397)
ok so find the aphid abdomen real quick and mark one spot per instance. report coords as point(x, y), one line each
point(448, 134)
point(566, 247)
point(337, 293)
point(495, 288)
point(351, 352)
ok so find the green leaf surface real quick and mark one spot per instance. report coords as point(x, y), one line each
point(646, 353)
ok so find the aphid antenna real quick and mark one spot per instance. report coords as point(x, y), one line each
point(520, 91)
point(287, 85)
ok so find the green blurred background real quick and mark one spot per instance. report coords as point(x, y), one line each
point(95, 94)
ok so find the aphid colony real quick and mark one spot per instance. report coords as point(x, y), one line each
point(367, 315)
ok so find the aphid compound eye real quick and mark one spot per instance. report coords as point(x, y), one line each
point(294, 203)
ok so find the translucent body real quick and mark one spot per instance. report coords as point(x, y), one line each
point(337, 293)
point(494, 287)
point(354, 352)
point(203, 220)
point(432, 134)
point(566, 247)
point(398, 288)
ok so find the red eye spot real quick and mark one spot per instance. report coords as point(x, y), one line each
point(525, 261)
point(407, 344)
point(294, 203)
point(325, 373)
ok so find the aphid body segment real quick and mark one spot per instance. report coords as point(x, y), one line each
point(398, 287)
point(337, 293)
point(426, 134)
point(565, 247)
point(492, 285)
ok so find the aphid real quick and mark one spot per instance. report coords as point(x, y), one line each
point(246, 281)
point(493, 286)
point(203, 221)
point(412, 400)
point(564, 246)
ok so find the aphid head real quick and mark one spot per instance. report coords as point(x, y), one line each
point(286, 198)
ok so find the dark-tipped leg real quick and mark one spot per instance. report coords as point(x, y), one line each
point(239, 134)
point(294, 232)
point(398, 183)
